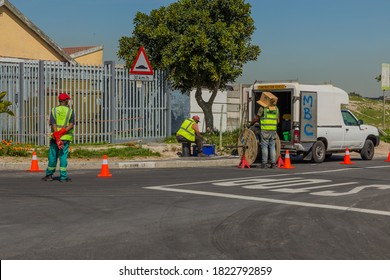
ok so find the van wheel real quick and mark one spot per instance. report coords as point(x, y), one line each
point(367, 153)
point(318, 151)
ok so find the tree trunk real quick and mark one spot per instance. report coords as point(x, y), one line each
point(207, 107)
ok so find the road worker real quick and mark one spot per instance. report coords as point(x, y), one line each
point(268, 117)
point(189, 132)
point(61, 121)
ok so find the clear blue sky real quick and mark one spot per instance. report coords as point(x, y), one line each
point(341, 41)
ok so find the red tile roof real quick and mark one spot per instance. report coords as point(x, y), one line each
point(72, 50)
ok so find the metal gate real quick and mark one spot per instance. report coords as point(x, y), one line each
point(109, 107)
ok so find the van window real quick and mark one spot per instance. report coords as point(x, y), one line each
point(349, 119)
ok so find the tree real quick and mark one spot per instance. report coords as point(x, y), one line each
point(4, 104)
point(201, 44)
point(354, 94)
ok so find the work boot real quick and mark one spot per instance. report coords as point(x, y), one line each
point(263, 166)
point(65, 180)
point(201, 155)
point(48, 178)
point(273, 165)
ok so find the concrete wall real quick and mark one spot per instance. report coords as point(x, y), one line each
point(227, 108)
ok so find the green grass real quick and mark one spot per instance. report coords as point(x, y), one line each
point(370, 111)
point(122, 153)
point(128, 151)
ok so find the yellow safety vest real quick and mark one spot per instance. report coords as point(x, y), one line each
point(186, 130)
point(62, 115)
point(269, 120)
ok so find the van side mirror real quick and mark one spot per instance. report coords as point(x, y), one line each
point(360, 122)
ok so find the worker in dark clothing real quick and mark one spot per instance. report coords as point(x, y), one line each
point(189, 132)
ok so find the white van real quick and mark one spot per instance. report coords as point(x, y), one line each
point(312, 121)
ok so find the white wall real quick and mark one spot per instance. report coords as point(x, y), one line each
point(227, 107)
point(220, 104)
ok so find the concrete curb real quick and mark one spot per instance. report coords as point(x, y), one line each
point(168, 163)
point(214, 161)
point(181, 162)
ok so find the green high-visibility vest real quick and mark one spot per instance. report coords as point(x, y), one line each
point(269, 120)
point(62, 116)
point(186, 130)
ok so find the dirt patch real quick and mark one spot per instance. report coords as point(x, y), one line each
point(382, 149)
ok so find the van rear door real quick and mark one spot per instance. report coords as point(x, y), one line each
point(308, 116)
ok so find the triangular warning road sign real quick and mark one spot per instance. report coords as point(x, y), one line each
point(141, 65)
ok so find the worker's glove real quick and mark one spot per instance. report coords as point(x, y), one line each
point(62, 131)
point(60, 144)
point(57, 137)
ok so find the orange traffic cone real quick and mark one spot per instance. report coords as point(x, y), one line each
point(280, 162)
point(347, 158)
point(388, 158)
point(34, 164)
point(105, 172)
point(244, 163)
point(287, 161)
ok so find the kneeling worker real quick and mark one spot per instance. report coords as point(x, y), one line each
point(189, 132)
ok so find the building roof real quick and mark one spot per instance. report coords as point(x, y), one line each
point(76, 52)
point(37, 31)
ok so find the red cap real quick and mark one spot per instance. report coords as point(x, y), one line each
point(196, 118)
point(63, 97)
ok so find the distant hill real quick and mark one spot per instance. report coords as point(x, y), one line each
point(370, 110)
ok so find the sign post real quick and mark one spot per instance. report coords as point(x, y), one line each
point(141, 69)
point(385, 79)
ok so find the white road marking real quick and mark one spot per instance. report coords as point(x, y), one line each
point(276, 201)
point(277, 184)
point(277, 175)
point(257, 180)
point(301, 190)
point(284, 185)
point(234, 181)
point(353, 191)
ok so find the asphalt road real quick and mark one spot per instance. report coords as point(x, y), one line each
point(314, 211)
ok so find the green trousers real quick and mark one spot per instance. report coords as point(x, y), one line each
point(54, 154)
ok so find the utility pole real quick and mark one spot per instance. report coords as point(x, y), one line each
point(384, 111)
point(385, 79)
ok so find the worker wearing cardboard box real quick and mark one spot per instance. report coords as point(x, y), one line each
point(268, 117)
point(189, 132)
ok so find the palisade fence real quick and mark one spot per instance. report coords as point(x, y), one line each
point(109, 107)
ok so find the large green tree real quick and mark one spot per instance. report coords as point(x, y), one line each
point(201, 44)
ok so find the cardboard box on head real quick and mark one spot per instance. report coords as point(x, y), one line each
point(267, 99)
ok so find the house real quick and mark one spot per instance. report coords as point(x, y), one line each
point(22, 40)
point(91, 55)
